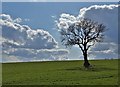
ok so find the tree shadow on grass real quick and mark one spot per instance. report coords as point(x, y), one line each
point(74, 68)
point(96, 69)
point(104, 69)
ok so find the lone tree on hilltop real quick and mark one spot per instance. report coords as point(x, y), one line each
point(84, 33)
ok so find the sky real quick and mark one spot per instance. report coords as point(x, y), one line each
point(30, 33)
point(60, 0)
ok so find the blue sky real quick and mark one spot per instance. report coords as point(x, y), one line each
point(60, 1)
point(42, 15)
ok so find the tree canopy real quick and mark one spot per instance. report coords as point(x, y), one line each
point(84, 33)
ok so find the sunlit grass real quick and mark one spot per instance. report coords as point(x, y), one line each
point(104, 72)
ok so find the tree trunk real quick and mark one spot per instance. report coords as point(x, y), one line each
point(86, 63)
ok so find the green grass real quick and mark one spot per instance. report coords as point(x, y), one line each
point(105, 72)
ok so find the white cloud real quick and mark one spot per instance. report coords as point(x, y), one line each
point(25, 37)
point(104, 47)
point(6, 17)
point(105, 14)
point(104, 50)
point(9, 58)
point(24, 43)
point(96, 8)
point(23, 54)
point(66, 20)
point(17, 20)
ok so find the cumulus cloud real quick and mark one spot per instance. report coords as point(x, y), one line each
point(26, 43)
point(23, 36)
point(105, 14)
point(66, 20)
point(22, 54)
point(17, 20)
point(105, 50)
point(95, 8)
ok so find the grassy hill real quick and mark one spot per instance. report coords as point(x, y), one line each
point(105, 72)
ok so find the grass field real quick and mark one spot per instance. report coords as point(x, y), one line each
point(105, 72)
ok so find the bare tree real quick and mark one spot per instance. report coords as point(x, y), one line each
point(85, 34)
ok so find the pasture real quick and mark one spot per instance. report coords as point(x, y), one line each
point(104, 72)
